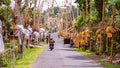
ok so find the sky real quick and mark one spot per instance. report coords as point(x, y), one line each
point(45, 6)
point(59, 3)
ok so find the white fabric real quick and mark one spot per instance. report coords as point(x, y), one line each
point(42, 35)
point(41, 30)
point(30, 30)
point(46, 34)
point(20, 27)
point(27, 33)
point(2, 48)
point(36, 34)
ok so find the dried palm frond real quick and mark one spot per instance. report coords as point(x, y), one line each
point(110, 29)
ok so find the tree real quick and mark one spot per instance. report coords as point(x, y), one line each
point(4, 18)
point(117, 3)
point(56, 9)
point(99, 5)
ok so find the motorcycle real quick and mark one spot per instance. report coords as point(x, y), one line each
point(51, 46)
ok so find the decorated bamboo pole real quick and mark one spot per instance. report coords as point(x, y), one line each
point(13, 36)
point(86, 18)
point(13, 54)
point(77, 11)
point(38, 19)
point(71, 14)
point(66, 20)
point(103, 24)
point(90, 23)
point(35, 11)
point(86, 9)
point(66, 16)
point(111, 54)
point(17, 21)
point(91, 12)
point(103, 13)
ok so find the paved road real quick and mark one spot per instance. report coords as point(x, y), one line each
point(63, 57)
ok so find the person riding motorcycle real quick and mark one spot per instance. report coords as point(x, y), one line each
point(51, 44)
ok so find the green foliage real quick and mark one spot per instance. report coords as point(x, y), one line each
point(56, 9)
point(74, 11)
point(99, 5)
point(79, 23)
point(109, 65)
point(81, 4)
point(2, 12)
point(31, 14)
point(85, 53)
point(6, 19)
point(94, 18)
point(47, 28)
point(6, 2)
point(118, 5)
point(7, 56)
point(112, 2)
point(115, 45)
point(30, 11)
point(29, 57)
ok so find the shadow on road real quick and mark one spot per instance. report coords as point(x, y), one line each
point(76, 57)
point(84, 66)
point(65, 49)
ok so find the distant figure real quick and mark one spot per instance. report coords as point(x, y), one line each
point(71, 43)
point(51, 44)
point(58, 36)
point(43, 36)
point(2, 48)
point(47, 39)
point(49, 36)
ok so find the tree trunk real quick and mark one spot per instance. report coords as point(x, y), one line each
point(99, 6)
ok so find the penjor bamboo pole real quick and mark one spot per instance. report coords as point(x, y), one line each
point(103, 14)
point(103, 24)
point(90, 22)
point(86, 9)
point(35, 11)
point(111, 54)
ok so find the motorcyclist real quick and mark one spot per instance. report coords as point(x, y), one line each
point(51, 44)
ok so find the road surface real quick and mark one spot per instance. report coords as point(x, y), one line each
point(63, 57)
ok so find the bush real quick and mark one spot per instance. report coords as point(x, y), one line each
point(6, 57)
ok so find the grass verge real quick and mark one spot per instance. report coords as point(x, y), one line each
point(84, 53)
point(29, 57)
point(42, 43)
point(109, 65)
point(93, 56)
